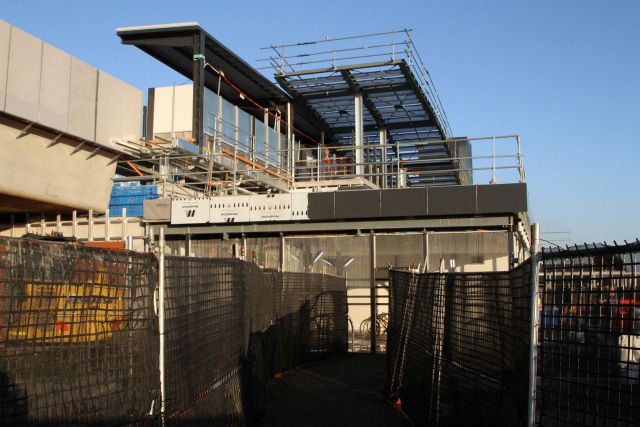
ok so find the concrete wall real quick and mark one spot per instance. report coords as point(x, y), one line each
point(30, 169)
point(45, 85)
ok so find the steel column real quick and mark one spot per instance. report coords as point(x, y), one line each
point(533, 349)
point(161, 326)
point(198, 90)
point(373, 291)
point(359, 134)
point(383, 157)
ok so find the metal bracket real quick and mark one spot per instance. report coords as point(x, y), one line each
point(24, 131)
point(55, 141)
point(78, 148)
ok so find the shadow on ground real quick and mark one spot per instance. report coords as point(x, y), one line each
point(343, 390)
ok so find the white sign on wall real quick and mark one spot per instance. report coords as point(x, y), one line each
point(189, 211)
point(229, 209)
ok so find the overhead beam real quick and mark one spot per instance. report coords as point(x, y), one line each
point(389, 126)
point(369, 90)
point(494, 222)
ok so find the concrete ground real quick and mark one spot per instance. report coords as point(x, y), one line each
point(344, 390)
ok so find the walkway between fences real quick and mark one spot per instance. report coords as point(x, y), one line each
point(79, 332)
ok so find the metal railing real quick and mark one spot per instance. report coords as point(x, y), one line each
point(229, 164)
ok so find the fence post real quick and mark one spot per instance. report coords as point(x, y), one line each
point(161, 285)
point(373, 292)
point(533, 349)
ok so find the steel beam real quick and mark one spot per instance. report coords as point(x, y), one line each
point(452, 223)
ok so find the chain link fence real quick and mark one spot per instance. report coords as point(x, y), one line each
point(458, 347)
point(79, 338)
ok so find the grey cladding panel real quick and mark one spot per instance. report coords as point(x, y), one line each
point(119, 114)
point(404, 202)
point(321, 206)
point(358, 204)
point(502, 198)
point(454, 200)
point(23, 77)
point(54, 90)
point(5, 35)
point(82, 99)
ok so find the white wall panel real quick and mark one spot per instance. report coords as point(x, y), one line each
point(54, 88)
point(82, 100)
point(172, 109)
point(5, 35)
point(23, 77)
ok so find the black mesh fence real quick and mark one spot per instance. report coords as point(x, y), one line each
point(458, 347)
point(78, 336)
point(204, 335)
point(589, 363)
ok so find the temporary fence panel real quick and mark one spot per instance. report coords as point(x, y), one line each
point(589, 370)
point(78, 337)
point(204, 335)
point(458, 347)
point(230, 325)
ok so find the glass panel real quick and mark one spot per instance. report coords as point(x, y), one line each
point(244, 131)
point(274, 156)
point(228, 122)
point(261, 148)
point(210, 110)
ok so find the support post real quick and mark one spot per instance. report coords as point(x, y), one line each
point(107, 222)
point(282, 242)
point(533, 349)
point(187, 244)
point(425, 251)
point(383, 157)
point(129, 242)
point(290, 138)
point(373, 292)
point(161, 326)
point(123, 222)
point(13, 225)
point(74, 223)
point(90, 227)
point(198, 90)
point(266, 137)
point(58, 223)
point(359, 132)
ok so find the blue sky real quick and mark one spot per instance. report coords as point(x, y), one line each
point(563, 74)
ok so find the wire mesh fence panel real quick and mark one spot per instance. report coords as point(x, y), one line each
point(78, 337)
point(590, 337)
point(204, 330)
point(458, 347)
point(230, 325)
